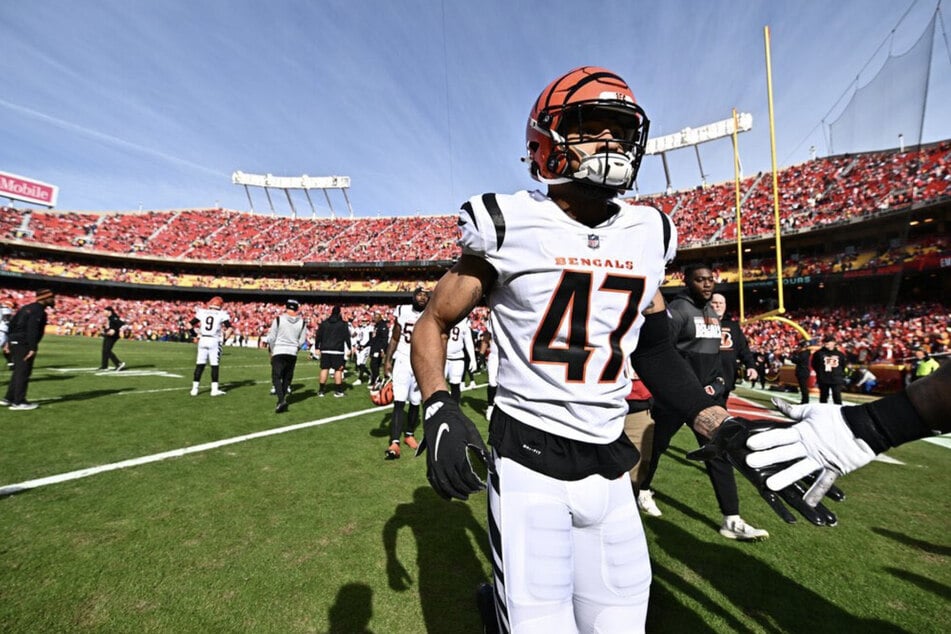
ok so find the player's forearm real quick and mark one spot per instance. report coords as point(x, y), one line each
point(428, 355)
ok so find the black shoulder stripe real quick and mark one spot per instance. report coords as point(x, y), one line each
point(666, 222)
point(467, 207)
point(495, 213)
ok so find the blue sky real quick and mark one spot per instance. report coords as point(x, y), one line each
point(154, 103)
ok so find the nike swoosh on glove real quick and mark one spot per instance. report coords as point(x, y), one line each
point(449, 435)
point(819, 440)
point(730, 441)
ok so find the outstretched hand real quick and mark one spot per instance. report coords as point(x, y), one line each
point(449, 436)
point(730, 442)
point(819, 440)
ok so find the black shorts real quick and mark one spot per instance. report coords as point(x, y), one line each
point(331, 361)
point(556, 456)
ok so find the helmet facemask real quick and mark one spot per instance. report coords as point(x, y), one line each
point(619, 127)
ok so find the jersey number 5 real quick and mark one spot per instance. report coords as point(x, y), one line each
point(571, 300)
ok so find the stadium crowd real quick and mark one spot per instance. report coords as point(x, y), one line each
point(161, 320)
point(868, 335)
point(917, 254)
point(819, 192)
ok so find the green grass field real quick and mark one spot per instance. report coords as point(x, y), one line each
point(310, 530)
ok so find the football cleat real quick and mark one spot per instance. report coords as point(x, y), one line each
point(734, 527)
point(392, 452)
point(218, 392)
point(645, 502)
point(194, 391)
point(410, 442)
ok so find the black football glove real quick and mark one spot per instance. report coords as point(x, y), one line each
point(729, 442)
point(449, 436)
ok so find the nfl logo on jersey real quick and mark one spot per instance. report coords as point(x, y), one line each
point(594, 241)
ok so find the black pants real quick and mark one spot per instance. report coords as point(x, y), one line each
point(107, 353)
point(803, 389)
point(20, 378)
point(376, 359)
point(719, 471)
point(835, 388)
point(282, 374)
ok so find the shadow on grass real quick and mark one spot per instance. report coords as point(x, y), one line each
point(382, 430)
point(448, 568)
point(85, 396)
point(51, 377)
point(758, 591)
point(928, 547)
point(928, 585)
point(352, 610)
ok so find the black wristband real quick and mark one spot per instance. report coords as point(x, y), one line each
point(886, 423)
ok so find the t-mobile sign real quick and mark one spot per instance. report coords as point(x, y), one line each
point(28, 190)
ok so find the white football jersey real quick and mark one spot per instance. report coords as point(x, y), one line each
point(566, 306)
point(211, 321)
point(406, 317)
point(460, 339)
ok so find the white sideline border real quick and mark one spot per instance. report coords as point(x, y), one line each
point(20, 487)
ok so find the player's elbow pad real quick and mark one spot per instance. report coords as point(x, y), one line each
point(665, 373)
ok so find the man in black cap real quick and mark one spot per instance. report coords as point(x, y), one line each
point(287, 334)
point(110, 335)
point(829, 364)
point(26, 331)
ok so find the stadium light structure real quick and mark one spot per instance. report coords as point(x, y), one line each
point(694, 137)
point(287, 183)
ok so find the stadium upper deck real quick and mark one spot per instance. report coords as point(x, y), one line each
point(822, 192)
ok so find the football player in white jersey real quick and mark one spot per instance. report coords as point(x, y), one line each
point(396, 364)
point(459, 348)
point(572, 278)
point(361, 351)
point(213, 325)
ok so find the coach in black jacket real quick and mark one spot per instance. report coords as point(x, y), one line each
point(695, 331)
point(26, 331)
point(734, 349)
point(829, 364)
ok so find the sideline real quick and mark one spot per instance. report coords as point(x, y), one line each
point(12, 489)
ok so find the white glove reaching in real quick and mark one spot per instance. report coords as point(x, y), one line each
point(818, 440)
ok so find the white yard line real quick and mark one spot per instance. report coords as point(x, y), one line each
point(19, 487)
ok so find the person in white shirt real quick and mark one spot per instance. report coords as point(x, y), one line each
point(287, 334)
